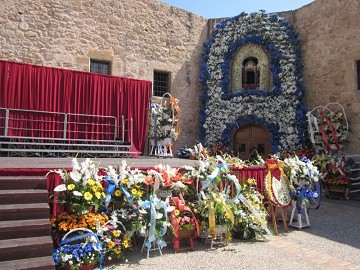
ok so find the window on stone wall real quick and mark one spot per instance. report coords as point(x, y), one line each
point(358, 73)
point(161, 83)
point(102, 67)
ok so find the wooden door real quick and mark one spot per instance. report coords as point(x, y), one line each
point(250, 137)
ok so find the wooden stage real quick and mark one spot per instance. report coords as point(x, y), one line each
point(62, 163)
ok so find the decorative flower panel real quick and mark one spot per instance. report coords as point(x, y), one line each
point(280, 108)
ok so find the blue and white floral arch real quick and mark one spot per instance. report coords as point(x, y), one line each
point(281, 110)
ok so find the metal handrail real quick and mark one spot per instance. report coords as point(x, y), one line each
point(18, 123)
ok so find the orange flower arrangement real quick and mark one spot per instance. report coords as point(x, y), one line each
point(65, 222)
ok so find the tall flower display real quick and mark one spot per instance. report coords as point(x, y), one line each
point(280, 109)
point(164, 119)
point(304, 180)
point(81, 189)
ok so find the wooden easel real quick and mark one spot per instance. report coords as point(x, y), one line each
point(273, 210)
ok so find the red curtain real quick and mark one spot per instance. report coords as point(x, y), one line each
point(30, 87)
point(256, 172)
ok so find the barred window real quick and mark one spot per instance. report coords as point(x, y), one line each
point(161, 84)
point(102, 67)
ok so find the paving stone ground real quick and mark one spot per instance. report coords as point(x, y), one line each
point(331, 242)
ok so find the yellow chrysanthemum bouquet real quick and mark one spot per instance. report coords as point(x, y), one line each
point(82, 190)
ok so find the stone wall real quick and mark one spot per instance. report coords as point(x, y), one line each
point(330, 34)
point(137, 36)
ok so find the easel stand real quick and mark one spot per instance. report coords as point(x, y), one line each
point(220, 237)
point(154, 246)
point(273, 213)
point(299, 223)
point(162, 148)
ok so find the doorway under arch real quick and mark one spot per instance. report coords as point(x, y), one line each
point(251, 137)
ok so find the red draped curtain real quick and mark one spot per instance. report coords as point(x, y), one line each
point(30, 87)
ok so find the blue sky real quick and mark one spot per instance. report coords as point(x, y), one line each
point(230, 8)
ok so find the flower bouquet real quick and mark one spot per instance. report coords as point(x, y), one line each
point(123, 185)
point(65, 222)
point(334, 171)
point(152, 222)
point(81, 190)
point(186, 220)
point(114, 237)
point(216, 215)
point(304, 181)
point(79, 252)
point(247, 225)
point(164, 119)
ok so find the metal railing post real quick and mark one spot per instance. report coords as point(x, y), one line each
point(6, 122)
point(65, 125)
point(116, 127)
point(132, 128)
point(123, 128)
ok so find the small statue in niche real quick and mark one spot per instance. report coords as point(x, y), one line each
point(250, 73)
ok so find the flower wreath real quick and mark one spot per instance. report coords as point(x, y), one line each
point(279, 109)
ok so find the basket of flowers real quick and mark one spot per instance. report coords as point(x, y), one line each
point(115, 239)
point(65, 222)
point(80, 249)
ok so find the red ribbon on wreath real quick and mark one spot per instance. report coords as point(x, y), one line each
point(333, 133)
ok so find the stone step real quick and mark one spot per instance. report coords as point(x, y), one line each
point(21, 196)
point(24, 211)
point(24, 228)
point(23, 248)
point(22, 182)
point(38, 263)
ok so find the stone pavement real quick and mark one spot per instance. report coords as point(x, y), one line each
point(331, 242)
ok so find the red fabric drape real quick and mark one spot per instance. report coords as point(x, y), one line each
point(30, 87)
point(256, 172)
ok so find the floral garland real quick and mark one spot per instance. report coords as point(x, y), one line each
point(279, 109)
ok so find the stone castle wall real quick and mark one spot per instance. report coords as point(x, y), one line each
point(137, 36)
point(140, 36)
point(330, 35)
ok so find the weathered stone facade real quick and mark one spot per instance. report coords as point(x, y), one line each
point(140, 36)
point(330, 35)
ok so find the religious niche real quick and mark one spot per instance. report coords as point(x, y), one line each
point(250, 73)
point(250, 69)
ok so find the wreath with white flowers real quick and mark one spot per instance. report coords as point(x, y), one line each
point(281, 110)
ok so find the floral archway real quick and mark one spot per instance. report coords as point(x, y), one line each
point(281, 109)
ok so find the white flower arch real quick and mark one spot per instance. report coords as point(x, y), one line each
point(281, 110)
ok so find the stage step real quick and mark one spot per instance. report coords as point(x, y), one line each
point(11, 229)
point(25, 229)
point(24, 211)
point(39, 263)
point(354, 176)
point(22, 248)
point(20, 196)
point(22, 182)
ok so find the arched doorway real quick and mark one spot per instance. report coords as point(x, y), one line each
point(249, 137)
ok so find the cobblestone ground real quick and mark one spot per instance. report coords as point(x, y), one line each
point(331, 242)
